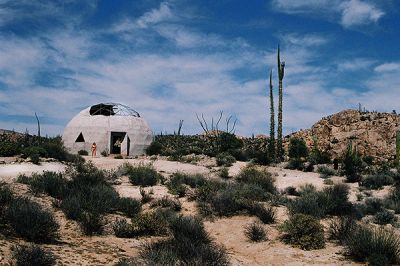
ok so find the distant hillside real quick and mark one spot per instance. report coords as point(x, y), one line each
point(373, 133)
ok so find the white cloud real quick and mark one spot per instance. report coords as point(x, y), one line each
point(356, 64)
point(155, 15)
point(349, 13)
point(355, 12)
point(387, 67)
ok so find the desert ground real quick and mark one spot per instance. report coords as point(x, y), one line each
point(73, 248)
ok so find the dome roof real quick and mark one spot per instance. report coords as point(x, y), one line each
point(111, 109)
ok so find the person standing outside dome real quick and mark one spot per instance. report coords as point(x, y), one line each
point(94, 148)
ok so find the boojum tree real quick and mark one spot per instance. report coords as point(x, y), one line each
point(281, 73)
point(271, 144)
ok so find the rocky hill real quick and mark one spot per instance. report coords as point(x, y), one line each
point(373, 133)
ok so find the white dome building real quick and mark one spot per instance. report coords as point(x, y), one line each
point(114, 128)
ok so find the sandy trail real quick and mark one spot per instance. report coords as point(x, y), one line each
point(8, 172)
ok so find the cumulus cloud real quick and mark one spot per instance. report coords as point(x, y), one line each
point(349, 13)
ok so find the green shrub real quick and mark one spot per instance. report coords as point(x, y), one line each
point(385, 217)
point(365, 244)
point(377, 181)
point(225, 159)
point(325, 171)
point(151, 224)
point(295, 164)
point(262, 178)
point(123, 229)
point(146, 197)
point(91, 223)
point(178, 180)
point(32, 255)
point(167, 202)
point(352, 164)
point(130, 207)
point(189, 228)
point(297, 148)
point(83, 152)
point(255, 232)
point(35, 158)
point(86, 174)
point(51, 183)
point(9, 148)
point(119, 156)
point(340, 228)
point(30, 221)
point(104, 153)
point(190, 245)
point(224, 173)
point(154, 148)
point(143, 175)
point(373, 205)
point(267, 215)
point(6, 195)
point(290, 190)
point(303, 231)
point(332, 200)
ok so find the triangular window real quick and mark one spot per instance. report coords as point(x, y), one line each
point(80, 138)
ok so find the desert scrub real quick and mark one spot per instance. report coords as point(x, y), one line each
point(151, 223)
point(123, 229)
point(326, 172)
point(262, 178)
point(303, 231)
point(224, 173)
point(83, 152)
point(130, 207)
point(6, 195)
point(190, 245)
point(372, 206)
point(365, 244)
point(377, 181)
point(30, 221)
point(385, 217)
point(177, 182)
point(32, 255)
point(267, 214)
point(225, 159)
point(51, 183)
point(340, 228)
point(167, 202)
point(143, 175)
point(331, 201)
point(146, 196)
point(255, 232)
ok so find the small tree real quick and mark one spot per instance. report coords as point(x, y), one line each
point(297, 148)
point(352, 164)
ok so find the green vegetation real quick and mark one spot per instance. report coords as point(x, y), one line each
point(331, 201)
point(255, 232)
point(30, 221)
point(303, 231)
point(341, 228)
point(352, 164)
point(225, 159)
point(143, 175)
point(32, 255)
point(190, 245)
point(368, 245)
point(83, 152)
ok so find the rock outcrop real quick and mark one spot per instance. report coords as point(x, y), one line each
point(373, 133)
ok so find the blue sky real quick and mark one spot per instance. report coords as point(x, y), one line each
point(172, 59)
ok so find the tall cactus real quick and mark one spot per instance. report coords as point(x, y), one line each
point(271, 146)
point(398, 148)
point(281, 73)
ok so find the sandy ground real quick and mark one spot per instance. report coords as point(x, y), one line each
point(76, 249)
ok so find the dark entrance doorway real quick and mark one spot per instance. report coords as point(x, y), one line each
point(116, 142)
point(128, 145)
